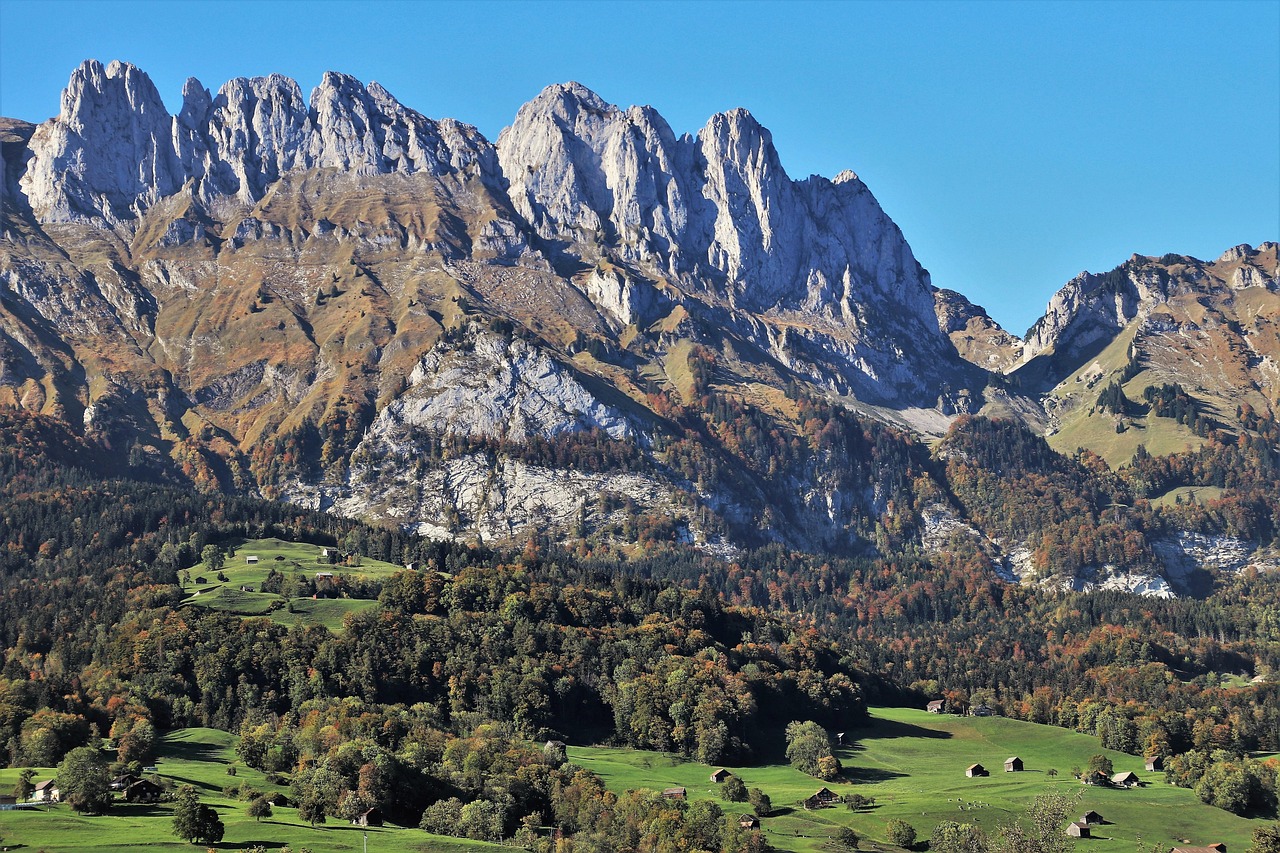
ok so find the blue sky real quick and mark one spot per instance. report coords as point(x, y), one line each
point(1014, 143)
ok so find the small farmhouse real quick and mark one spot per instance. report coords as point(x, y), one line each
point(1078, 829)
point(142, 791)
point(372, 817)
point(1154, 763)
point(974, 770)
point(1013, 764)
point(1127, 779)
point(983, 710)
point(935, 707)
point(674, 794)
point(720, 776)
point(121, 782)
point(46, 792)
point(749, 822)
point(1095, 777)
point(821, 799)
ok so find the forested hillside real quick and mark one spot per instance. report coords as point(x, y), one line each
point(477, 651)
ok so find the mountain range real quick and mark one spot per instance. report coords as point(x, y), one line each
point(590, 328)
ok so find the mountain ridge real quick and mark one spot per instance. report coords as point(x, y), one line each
point(591, 326)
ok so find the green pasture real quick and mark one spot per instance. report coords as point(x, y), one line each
point(328, 612)
point(913, 764)
point(290, 558)
point(1189, 494)
point(200, 757)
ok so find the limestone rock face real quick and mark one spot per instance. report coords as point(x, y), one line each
point(719, 216)
point(1093, 307)
point(501, 390)
point(114, 151)
point(977, 338)
point(109, 152)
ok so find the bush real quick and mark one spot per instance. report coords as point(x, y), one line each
point(901, 833)
point(733, 790)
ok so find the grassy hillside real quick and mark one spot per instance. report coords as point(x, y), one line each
point(1080, 426)
point(200, 757)
point(297, 559)
point(913, 764)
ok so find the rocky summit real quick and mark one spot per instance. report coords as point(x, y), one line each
point(592, 324)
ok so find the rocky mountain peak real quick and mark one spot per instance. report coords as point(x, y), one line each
point(108, 153)
point(114, 151)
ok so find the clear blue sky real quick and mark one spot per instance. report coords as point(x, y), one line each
point(1015, 143)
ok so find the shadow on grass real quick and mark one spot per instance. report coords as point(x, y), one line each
point(122, 809)
point(195, 783)
point(868, 775)
point(190, 751)
point(894, 728)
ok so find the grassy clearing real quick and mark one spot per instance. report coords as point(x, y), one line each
point(1189, 494)
point(298, 559)
point(327, 612)
point(200, 757)
point(913, 764)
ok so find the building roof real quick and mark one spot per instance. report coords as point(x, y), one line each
point(48, 783)
point(1126, 776)
point(1211, 848)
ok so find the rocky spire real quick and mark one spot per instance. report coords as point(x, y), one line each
point(109, 152)
point(114, 150)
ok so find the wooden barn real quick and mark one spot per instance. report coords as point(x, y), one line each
point(1013, 764)
point(821, 799)
point(372, 817)
point(975, 770)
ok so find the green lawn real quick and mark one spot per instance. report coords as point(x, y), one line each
point(291, 558)
point(913, 764)
point(200, 757)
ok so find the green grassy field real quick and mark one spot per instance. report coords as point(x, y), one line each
point(913, 764)
point(200, 757)
point(1189, 494)
point(290, 558)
